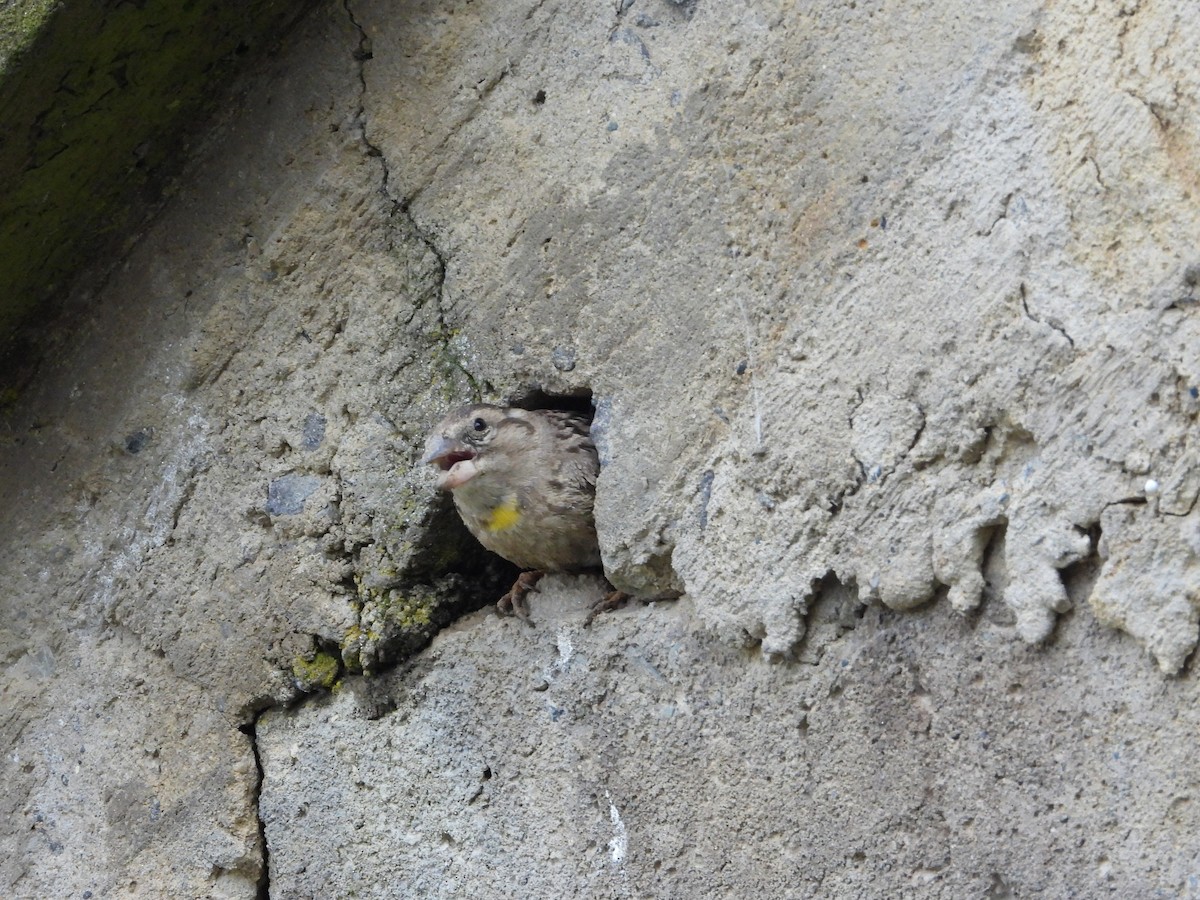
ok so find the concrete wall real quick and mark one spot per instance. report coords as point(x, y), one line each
point(889, 314)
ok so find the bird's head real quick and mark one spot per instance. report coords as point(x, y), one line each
point(473, 440)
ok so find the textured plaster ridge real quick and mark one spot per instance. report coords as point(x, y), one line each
point(469, 762)
point(1148, 585)
point(890, 321)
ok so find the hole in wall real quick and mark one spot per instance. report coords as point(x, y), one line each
point(1080, 577)
point(833, 609)
point(576, 401)
point(449, 571)
point(993, 564)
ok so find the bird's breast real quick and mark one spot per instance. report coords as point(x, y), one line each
point(502, 517)
point(529, 534)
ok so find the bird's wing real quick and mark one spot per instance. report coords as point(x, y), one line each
point(579, 464)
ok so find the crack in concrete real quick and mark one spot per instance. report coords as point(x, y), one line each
point(917, 435)
point(1135, 500)
point(361, 55)
point(1049, 323)
point(484, 88)
point(441, 336)
point(878, 474)
point(1003, 215)
point(250, 729)
point(838, 499)
point(402, 208)
point(1096, 171)
point(1180, 515)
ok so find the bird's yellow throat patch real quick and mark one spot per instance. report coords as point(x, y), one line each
point(504, 516)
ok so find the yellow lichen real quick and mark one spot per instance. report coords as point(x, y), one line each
point(319, 672)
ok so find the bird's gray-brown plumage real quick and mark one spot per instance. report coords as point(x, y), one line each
point(524, 482)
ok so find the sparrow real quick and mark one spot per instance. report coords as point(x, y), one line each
point(524, 482)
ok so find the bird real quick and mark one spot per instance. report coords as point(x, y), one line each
point(524, 483)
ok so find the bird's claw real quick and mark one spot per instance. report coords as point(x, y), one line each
point(610, 601)
point(514, 603)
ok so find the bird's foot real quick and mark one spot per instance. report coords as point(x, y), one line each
point(613, 599)
point(513, 603)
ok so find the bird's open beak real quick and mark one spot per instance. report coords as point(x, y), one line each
point(456, 461)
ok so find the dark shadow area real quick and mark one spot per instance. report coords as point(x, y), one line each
point(579, 401)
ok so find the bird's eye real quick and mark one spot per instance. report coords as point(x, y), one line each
point(479, 425)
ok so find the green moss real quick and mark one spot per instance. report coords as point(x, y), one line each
point(407, 611)
point(20, 23)
point(94, 98)
point(398, 608)
point(319, 672)
point(351, 646)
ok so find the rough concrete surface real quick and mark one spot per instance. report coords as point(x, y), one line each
point(97, 98)
point(889, 317)
point(921, 754)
